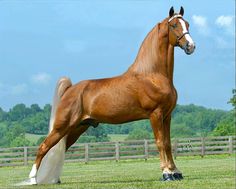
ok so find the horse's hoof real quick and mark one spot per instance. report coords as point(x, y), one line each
point(178, 176)
point(168, 177)
point(59, 181)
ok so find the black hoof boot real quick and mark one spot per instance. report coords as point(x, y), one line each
point(167, 177)
point(59, 181)
point(178, 176)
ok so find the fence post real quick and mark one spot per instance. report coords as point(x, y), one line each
point(175, 148)
point(117, 151)
point(230, 145)
point(145, 150)
point(86, 152)
point(25, 156)
point(203, 147)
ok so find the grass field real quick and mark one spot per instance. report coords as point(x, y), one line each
point(117, 137)
point(208, 172)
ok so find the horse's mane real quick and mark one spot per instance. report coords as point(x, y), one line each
point(147, 52)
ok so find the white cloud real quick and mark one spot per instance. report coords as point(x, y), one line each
point(224, 21)
point(201, 23)
point(199, 20)
point(41, 78)
point(227, 23)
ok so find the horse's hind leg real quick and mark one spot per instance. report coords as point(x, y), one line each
point(64, 122)
point(74, 134)
point(53, 138)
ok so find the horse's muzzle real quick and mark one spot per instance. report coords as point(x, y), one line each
point(189, 48)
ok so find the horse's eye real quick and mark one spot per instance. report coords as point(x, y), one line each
point(174, 26)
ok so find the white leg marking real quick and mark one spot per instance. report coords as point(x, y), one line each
point(166, 170)
point(33, 172)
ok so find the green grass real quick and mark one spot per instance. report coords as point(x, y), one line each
point(33, 137)
point(117, 137)
point(208, 172)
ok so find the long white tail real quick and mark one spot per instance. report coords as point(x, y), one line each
point(51, 165)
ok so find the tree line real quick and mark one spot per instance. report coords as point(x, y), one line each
point(187, 121)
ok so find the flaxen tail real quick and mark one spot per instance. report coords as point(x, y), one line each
point(62, 85)
point(51, 165)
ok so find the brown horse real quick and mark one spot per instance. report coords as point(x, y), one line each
point(144, 91)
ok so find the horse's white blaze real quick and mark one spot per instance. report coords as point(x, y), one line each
point(187, 36)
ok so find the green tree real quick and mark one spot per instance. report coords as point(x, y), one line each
point(3, 115)
point(20, 141)
point(97, 134)
point(47, 110)
point(181, 130)
point(34, 108)
point(18, 112)
point(226, 126)
point(14, 136)
point(233, 99)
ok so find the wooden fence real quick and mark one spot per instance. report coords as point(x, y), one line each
point(125, 150)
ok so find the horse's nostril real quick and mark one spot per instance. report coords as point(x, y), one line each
point(191, 46)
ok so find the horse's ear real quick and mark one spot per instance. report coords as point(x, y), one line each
point(181, 12)
point(171, 12)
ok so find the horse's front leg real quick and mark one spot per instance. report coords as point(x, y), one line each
point(161, 130)
point(170, 162)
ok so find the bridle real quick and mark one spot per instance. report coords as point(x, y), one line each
point(178, 38)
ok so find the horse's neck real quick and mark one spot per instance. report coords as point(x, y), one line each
point(155, 55)
point(170, 62)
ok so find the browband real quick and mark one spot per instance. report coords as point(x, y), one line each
point(175, 16)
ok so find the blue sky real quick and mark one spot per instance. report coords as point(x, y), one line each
point(40, 41)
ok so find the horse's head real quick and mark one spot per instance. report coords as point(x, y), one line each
point(178, 31)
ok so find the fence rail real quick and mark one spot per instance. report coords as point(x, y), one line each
point(125, 150)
